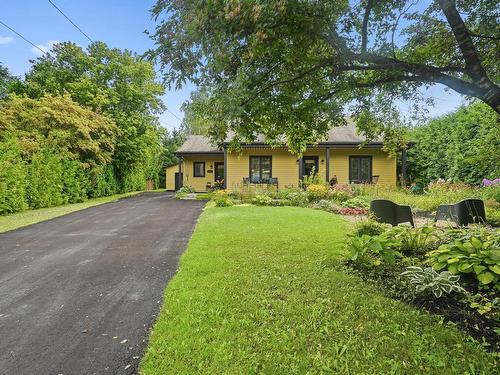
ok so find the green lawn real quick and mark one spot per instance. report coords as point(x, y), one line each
point(21, 219)
point(259, 291)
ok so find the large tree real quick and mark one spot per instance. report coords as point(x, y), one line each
point(116, 83)
point(294, 67)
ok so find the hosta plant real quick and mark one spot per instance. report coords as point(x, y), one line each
point(427, 280)
point(479, 258)
point(355, 203)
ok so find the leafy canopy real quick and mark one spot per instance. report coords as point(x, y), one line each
point(291, 69)
point(116, 83)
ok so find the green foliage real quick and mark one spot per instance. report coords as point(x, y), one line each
point(461, 146)
point(415, 241)
point(326, 205)
point(316, 191)
point(222, 199)
point(118, 84)
point(291, 69)
point(355, 203)
point(312, 179)
point(426, 280)
point(369, 227)
point(12, 177)
point(103, 182)
point(170, 141)
point(480, 259)
point(44, 186)
point(373, 249)
point(262, 200)
point(187, 189)
point(75, 182)
point(341, 193)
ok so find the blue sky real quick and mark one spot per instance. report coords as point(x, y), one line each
point(119, 23)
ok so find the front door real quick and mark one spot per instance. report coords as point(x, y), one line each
point(309, 165)
point(219, 171)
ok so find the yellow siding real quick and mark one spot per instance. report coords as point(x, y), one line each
point(199, 183)
point(321, 153)
point(284, 166)
point(170, 176)
point(382, 166)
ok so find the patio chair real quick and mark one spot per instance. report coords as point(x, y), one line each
point(463, 213)
point(391, 213)
point(273, 181)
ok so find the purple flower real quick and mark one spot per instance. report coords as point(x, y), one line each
point(494, 182)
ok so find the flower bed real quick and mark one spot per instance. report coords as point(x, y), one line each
point(451, 272)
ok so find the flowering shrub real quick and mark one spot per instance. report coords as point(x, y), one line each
point(442, 185)
point(262, 200)
point(341, 192)
point(222, 199)
point(326, 205)
point(494, 182)
point(316, 192)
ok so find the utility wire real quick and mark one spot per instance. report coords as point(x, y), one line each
point(25, 39)
point(173, 114)
point(69, 19)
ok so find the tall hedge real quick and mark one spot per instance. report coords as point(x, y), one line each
point(44, 180)
point(463, 146)
point(12, 177)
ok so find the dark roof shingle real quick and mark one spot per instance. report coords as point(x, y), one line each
point(338, 135)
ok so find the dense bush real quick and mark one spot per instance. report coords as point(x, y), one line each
point(75, 182)
point(316, 192)
point(341, 192)
point(462, 146)
point(222, 199)
point(12, 177)
point(44, 186)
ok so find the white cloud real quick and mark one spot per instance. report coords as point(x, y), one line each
point(6, 40)
point(44, 47)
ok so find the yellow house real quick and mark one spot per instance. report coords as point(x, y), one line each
point(337, 158)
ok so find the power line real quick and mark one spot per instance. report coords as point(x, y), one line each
point(69, 19)
point(25, 39)
point(173, 114)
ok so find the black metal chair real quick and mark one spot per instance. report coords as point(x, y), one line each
point(391, 213)
point(273, 181)
point(468, 211)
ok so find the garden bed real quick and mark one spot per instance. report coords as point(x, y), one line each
point(464, 285)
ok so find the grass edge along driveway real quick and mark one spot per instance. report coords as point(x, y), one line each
point(259, 291)
point(28, 217)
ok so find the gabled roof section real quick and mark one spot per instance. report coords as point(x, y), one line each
point(198, 144)
point(340, 135)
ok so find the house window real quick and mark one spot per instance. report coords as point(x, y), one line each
point(199, 169)
point(260, 169)
point(360, 169)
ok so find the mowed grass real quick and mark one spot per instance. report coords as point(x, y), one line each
point(258, 291)
point(24, 218)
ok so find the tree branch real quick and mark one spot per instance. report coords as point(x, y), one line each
point(490, 91)
point(480, 36)
point(364, 30)
point(464, 40)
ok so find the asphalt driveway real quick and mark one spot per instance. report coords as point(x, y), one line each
point(79, 293)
